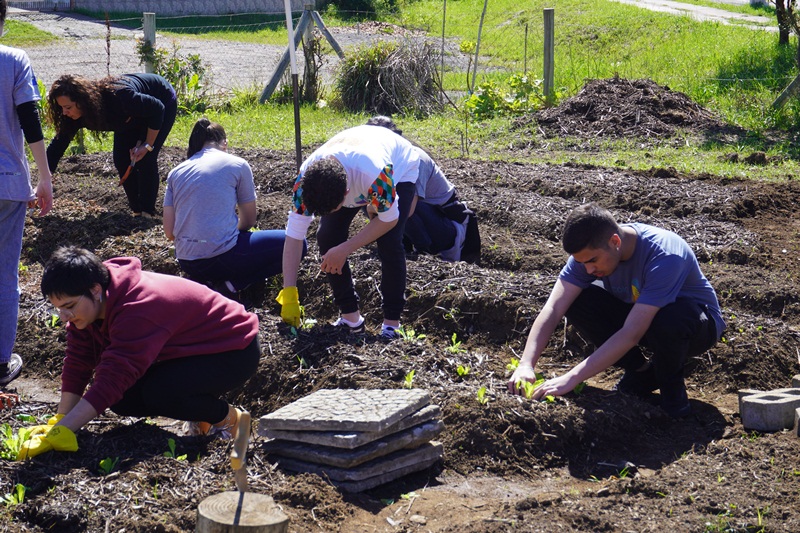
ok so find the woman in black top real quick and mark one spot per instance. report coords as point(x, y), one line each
point(139, 108)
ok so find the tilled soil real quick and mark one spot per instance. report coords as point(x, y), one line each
point(598, 461)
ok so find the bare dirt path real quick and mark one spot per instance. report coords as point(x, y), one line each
point(712, 14)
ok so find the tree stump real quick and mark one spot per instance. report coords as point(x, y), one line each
point(239, 512)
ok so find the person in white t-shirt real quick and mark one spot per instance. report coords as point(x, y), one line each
point(361, 167)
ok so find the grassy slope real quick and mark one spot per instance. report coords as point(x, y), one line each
point(734, 71)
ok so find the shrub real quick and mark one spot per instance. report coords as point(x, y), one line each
point(185, 73)
point(389, 78)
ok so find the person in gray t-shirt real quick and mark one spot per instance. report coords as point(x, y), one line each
point(625, 287)
point(209, 208)
point(19, 122)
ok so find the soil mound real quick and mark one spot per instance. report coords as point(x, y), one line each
point(617, 107)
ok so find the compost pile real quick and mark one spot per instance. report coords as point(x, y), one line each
point(617, 107)
point(598, 461)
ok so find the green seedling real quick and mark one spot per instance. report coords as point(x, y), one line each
point(302, 361)
point(15, 497)
point(513, 365)
point(11, 441)
point(481, 395)
point(455, 345)
point(409, 335)
point(171, 451)
point(27, 419)
point(409, 495)
point(54, 320)
point(108, 465)
point(579, 387)
point(463, 370)
point(409, 379)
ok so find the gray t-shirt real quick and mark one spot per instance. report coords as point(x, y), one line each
point(204, 191)
point(663, 268)
point(18, 86)
point(432, 185)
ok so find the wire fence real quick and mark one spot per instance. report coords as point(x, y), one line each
point(495, 47)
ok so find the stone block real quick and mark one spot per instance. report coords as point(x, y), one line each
point(770, 411)
point(351, 439)
point(377, 471)
point(343, 458)
point(347, 410)
point(796, 381)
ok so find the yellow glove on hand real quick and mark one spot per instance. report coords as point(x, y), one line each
point(42, 430)
point(290, 306)
point(59, 438)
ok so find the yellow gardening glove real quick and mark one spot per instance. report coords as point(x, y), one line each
point(290, 306)
point(59, 438)
point(41, 430)
point(33, 447)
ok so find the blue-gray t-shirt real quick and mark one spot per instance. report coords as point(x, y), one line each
point(662, 269)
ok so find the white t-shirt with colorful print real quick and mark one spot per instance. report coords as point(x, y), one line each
point(375, 160)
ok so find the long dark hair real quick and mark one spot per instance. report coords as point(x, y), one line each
point(204, 131)
point(86, 93)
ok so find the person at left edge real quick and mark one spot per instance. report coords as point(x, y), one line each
point(139, 108)
point(143, 344)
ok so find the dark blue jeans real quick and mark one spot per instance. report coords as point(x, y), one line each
point(429, 229)
point(257, 256)
point(680, 330)
point(189, 388)
point(334, 229)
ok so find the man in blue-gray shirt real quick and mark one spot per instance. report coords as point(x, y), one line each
point(626, 287)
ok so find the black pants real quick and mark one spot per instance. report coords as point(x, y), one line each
point(334, 229)
point(680, 330)
point(141, 187)
point(189, 388)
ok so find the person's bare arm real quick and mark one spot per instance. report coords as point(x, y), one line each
point(247, 216)
point(169, 222)
point(44, 189)
point(292, 254)
point(561, 298)
point(77, 411)
point(333, 260)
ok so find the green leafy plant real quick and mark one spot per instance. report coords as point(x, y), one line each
point(409, 335)
point(11, 441)
point(27, 419)
point(455, 345)
point(513, 365)
point(186, 73)
point(171, 451)
point(463, 370)
point(483, 399)
point(54, 320)
point(15, 497)
point(408, 381)
point(519, 96)
point(108, 464)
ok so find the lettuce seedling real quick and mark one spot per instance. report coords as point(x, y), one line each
point(481, 395)
point(108, 464)
point(171, 451)
point(15, 497)
point(409, 379)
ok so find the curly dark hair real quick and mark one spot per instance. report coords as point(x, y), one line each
point(588, 226)
point(324, 186)
point(87, 95)
point(384, 122)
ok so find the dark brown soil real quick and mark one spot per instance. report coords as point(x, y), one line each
point(509, 465)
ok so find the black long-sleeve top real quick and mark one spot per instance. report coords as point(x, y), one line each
point(138, 102)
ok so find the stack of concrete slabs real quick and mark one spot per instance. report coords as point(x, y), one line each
point(357, 439)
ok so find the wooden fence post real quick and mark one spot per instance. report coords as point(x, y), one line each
point(549, 49)
point(149, 26)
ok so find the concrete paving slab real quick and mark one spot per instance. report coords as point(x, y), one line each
point(401, 459)
point(797, 422)
point(327, 455)
point(347, 410)
point(770, 411)
point(370, 483)
point(796, 381)
point(351, 439)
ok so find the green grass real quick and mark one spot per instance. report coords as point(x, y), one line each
point(23, 35)
point(734, 71)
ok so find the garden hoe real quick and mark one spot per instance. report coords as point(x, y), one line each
point(241, 510)
point(130, 168)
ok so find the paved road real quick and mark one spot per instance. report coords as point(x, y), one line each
point(713, 14)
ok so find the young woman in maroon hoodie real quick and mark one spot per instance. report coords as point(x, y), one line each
point(143, 344)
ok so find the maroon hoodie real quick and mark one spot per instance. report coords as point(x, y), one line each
point(149, 318)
